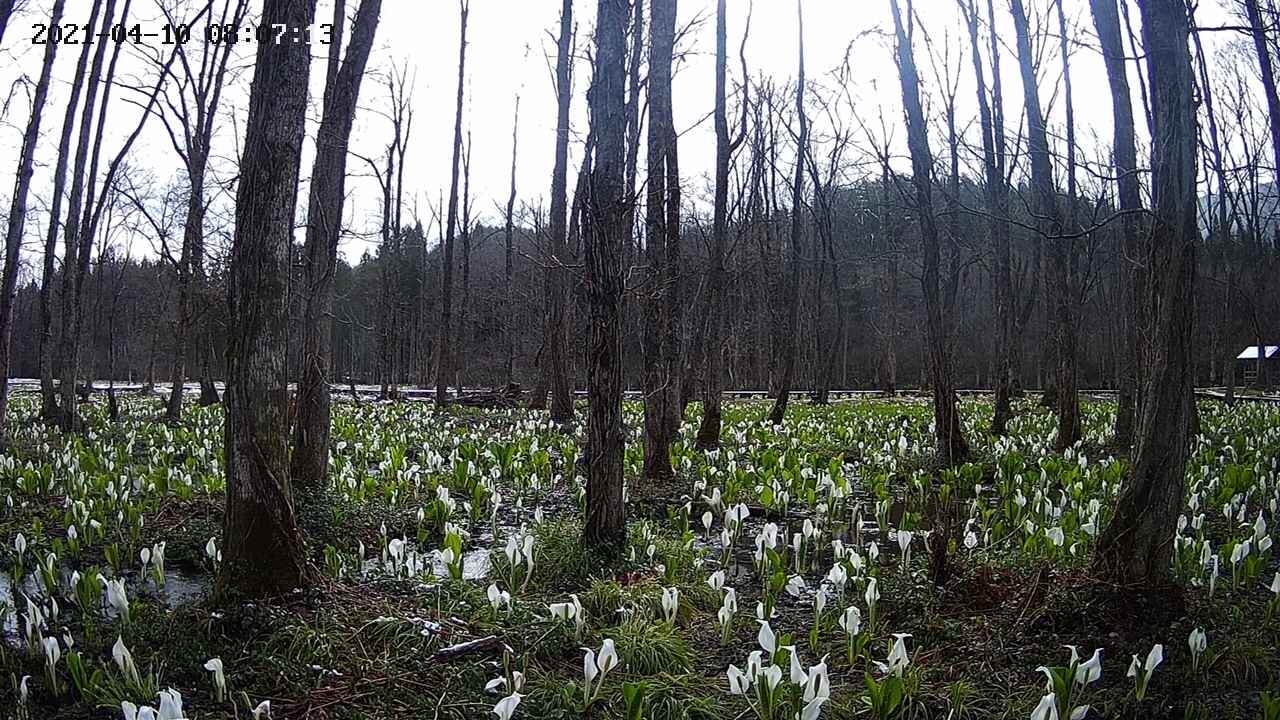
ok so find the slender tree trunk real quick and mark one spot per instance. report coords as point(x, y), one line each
point(509, 238)
point(1106, 19)
point(605, 232)
point(1047, 220)
point(791, 290)
point(1137, 545)
point(1069, 300)
point(465, 334)
point(74, 245)
point(262, 545)
point(952, 448)
point(18, 213)
point(662, 253)
point(309, 463)
point(997, 200)
point(1266, 69)
point(444, 362)
point(557, 336)
point(713, 373)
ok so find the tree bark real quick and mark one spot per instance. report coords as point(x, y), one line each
point(262, 545)
point(18, 214)
point(713, 374)
point(952, 448)
point(605, 232)
point(557, 335)
point(309, 463)
point(1137, 545)
point(662, 254)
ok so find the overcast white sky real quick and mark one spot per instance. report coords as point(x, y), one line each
point(511, 45)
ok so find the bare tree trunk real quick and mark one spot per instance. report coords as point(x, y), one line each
point(713, 373)
point(605, 214)
point(465, 334)
point(18, 213)
point(196, 110)
point(309, 463)
point(1267, 70)
point(662, 253)
point(791, 290)
point(952, 448)
point(1068, 282)
point(444, 363)
point(509, 237)
point(997, 200)
point(1047, 216)
point(1137, 545)
point(75, 243)
point(1106, 19)
point(6, 14)
point(262, 545)
point(557, 336)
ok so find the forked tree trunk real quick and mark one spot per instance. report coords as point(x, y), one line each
point(1106, 19)
point(1137, 545)
point(662, 253)
point(557, 334)
point(952, 449)
point(605, 232)
point(18, 214)
point(262, 545)
point(309, 464)
point(791, 289)
point(69, 307)
point(444, 338)
point(48, 394)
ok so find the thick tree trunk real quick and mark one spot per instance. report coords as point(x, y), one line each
point(18, 213)
point(557, 336)
point(952, 449)
point(1106, 19)
point(662, 253)
point(605, 232)
point(309, 464)
point(262, 545)
point(1137, 545)
point(791, 289)
point(444, 338)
